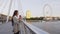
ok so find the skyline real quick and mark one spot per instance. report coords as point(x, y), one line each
point(35, 6)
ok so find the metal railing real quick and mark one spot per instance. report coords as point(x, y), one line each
point(27, 28)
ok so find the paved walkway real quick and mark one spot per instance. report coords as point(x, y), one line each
point(6, 28)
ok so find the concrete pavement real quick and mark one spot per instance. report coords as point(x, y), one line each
point(6, 28)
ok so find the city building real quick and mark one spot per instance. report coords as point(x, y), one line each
point(28, 14)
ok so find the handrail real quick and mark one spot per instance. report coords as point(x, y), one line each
point(34, 29)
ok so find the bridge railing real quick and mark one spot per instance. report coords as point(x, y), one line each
point(27, 28)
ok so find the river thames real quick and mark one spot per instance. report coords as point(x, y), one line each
point(52, 27)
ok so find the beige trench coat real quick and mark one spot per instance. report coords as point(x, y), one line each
point(16, 24)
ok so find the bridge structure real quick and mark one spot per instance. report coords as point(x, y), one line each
point(25, 27)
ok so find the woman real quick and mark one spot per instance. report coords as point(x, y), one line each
point(15, 22)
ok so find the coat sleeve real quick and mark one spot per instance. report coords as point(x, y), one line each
point(15, 20)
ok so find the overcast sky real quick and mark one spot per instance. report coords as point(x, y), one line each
point(35, 6)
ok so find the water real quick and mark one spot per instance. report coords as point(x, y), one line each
point(53, 27)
